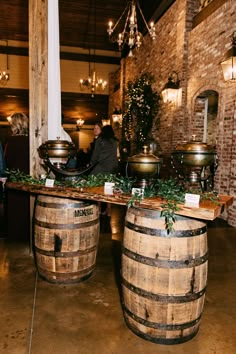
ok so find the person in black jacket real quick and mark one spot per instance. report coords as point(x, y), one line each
point(104, 155)
point(104, 158)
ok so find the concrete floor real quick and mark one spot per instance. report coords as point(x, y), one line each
point(38, 317)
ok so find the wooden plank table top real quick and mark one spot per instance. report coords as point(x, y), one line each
point(207, 210)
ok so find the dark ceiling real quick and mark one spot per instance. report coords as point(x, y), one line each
point(82, 24)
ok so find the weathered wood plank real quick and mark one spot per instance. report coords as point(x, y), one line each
point(206, 211)
point(38, 81)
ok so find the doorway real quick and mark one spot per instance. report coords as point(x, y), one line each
point(204, 123)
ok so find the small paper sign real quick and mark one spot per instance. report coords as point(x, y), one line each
point(49, 182)
point(108, 188)
point(192, 199)
point(137, 191)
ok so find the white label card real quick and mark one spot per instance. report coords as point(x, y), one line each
point(108, 188)
point(49, 182)
point(192, 199)
point(137, 191)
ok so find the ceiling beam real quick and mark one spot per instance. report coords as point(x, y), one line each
point(23, 51)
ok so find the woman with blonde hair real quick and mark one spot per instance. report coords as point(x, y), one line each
point(19, 124)
point(17, 146)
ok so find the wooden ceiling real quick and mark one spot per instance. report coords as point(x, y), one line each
point(74, 105)
point(82, 24)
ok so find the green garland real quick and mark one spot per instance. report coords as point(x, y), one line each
point(169, 190)
point(85, 181)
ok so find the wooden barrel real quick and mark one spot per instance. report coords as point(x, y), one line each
point(164, 276)
point(66, 234)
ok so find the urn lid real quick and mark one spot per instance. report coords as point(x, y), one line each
point(195, 146)
point(144, 157)
point(57, 148)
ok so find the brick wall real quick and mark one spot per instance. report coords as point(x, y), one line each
point(195, 55)
point(208, 43)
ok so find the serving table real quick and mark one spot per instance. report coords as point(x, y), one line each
point(164, 275)
point(206, 210)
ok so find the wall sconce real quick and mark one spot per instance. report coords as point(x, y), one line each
point(106, 122)
point(172, 92)
point(228, 64)
point(79, 124)
point(117, 117)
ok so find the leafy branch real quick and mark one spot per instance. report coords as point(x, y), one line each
point(168, 212)
point(137, 197)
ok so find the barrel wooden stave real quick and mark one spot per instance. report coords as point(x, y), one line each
point(66, 234)
point(164, 277)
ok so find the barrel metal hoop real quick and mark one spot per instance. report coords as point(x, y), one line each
point(82, 225)
point(62, 206)
point(65, 278)
point(63, 274)
point(184, 263)
point(65, 254)
point(161, 232)
point(166, 299)
point(167, 327)
point(162, 340)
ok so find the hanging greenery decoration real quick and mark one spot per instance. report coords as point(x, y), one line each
point(141, 107)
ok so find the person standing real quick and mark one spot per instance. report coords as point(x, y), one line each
point(17, 157)
point(104, 156)
point(97, 129)
point(104, 159)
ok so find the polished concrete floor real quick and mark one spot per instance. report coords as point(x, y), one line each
point(39, 317)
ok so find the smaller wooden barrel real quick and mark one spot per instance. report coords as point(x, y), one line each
point(66, 234)
point(164, 277)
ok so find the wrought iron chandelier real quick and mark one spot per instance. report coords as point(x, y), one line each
point(93, 82)
point(130, 34)
point(4, 76)
point(79, 124)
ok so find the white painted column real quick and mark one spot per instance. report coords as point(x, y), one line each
point(54, 77)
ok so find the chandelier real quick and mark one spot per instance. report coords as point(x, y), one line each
point(130, 34)
point(4, 74)
point(79, 124)
point(93, 82)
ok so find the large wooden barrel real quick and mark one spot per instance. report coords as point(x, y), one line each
point(66, 234)
point(164, 276)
